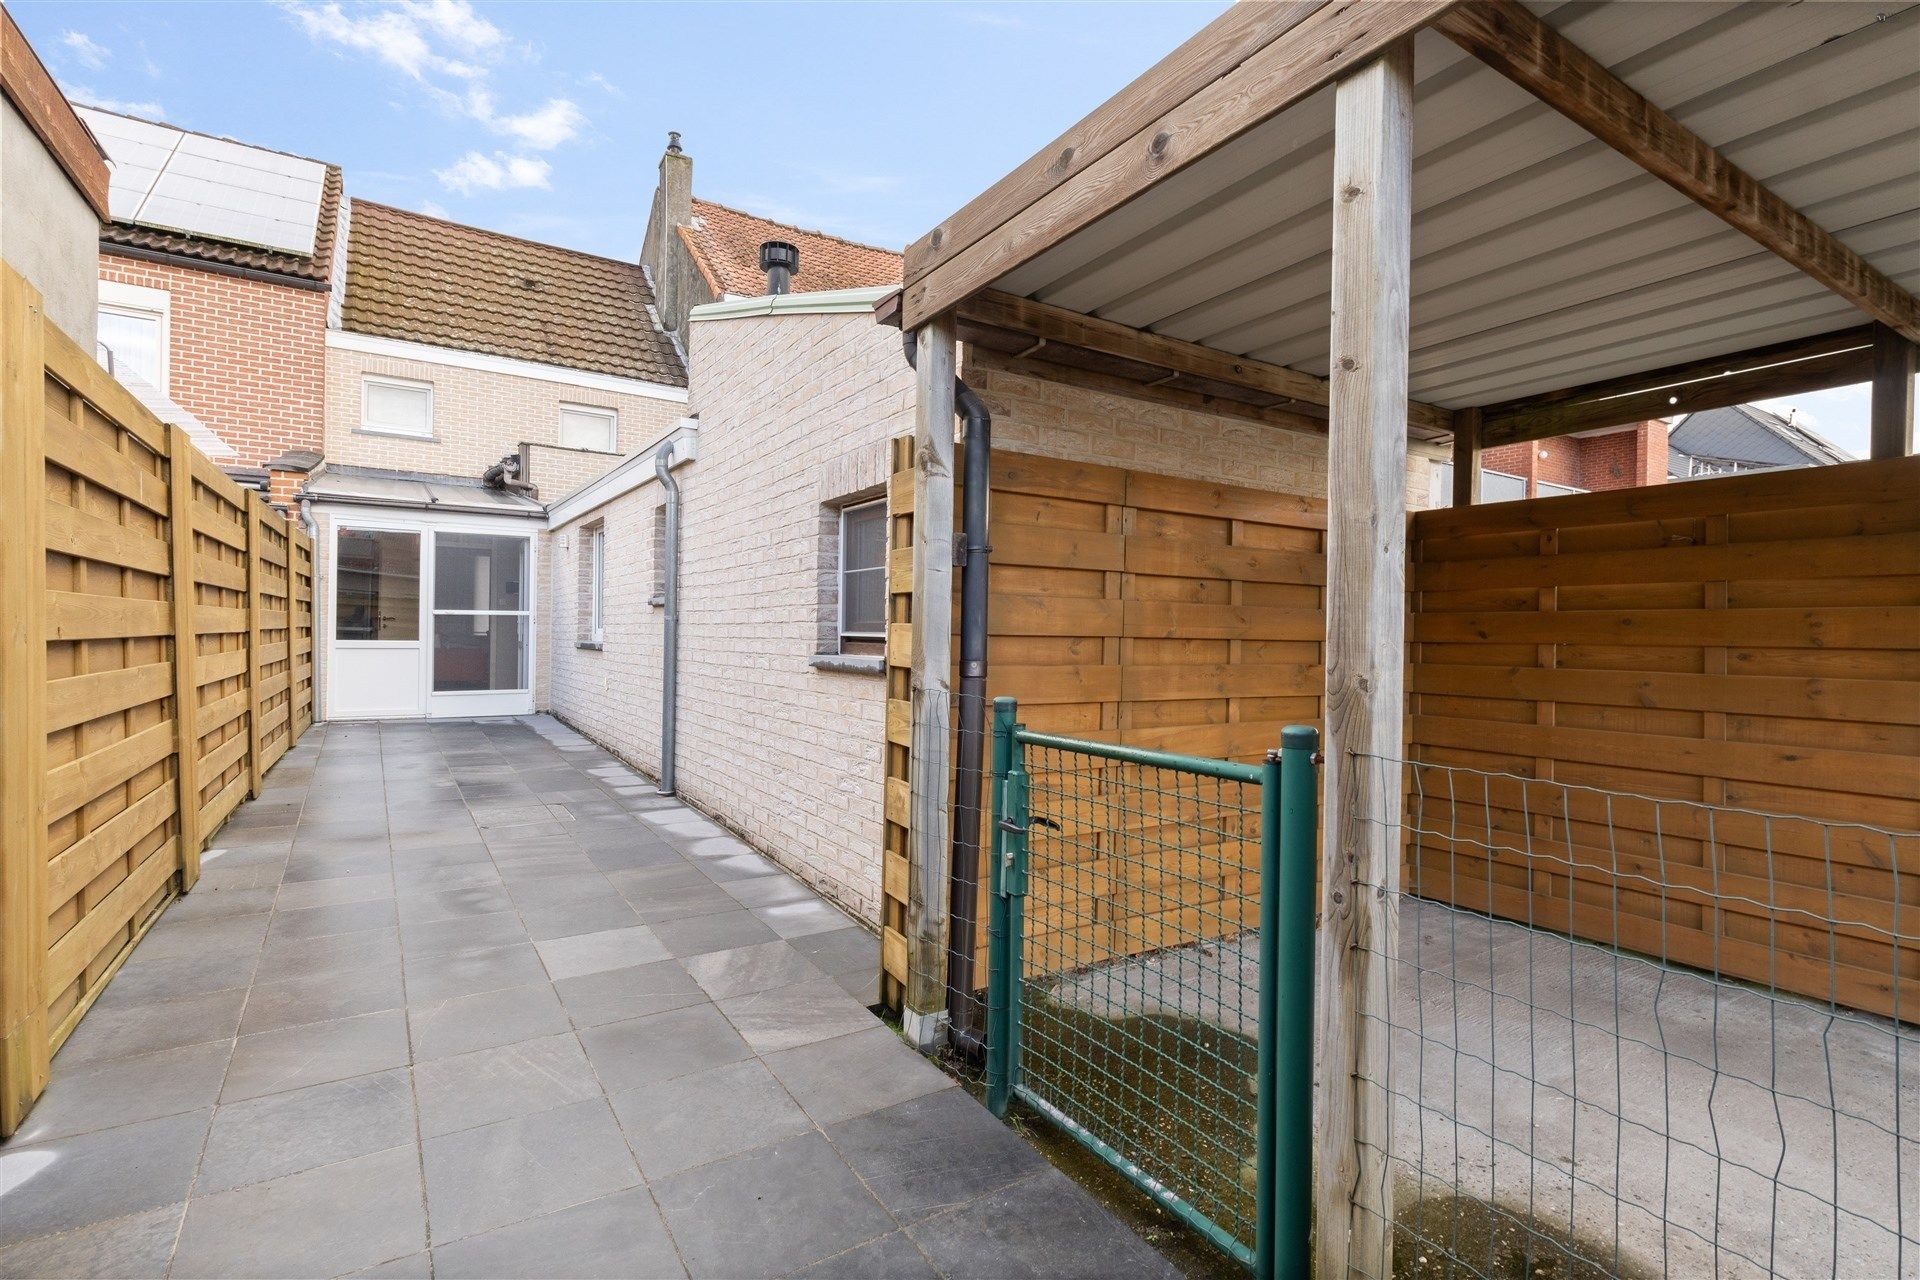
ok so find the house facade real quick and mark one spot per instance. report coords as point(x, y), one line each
point(1590, 462)
point(1742, 438)
point(214, 277)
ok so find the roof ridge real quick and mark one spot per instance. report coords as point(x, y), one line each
point(202, 133)
point(489, 231)
point(794, 226)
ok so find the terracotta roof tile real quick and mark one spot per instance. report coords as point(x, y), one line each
point(316, 267)
point(728, 244)
point(423, 279)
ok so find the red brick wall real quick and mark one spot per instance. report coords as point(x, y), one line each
point(246, 357)
point(1623, 459)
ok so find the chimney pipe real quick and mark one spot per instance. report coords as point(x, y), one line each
point(781, 262)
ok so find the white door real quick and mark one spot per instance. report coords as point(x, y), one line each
point(482, 624)
point(378, 596)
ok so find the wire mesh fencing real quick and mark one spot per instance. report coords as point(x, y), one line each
point(1631, 1035)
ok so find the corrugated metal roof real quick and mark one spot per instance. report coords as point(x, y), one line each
point(1542, 258)
point(421, 492)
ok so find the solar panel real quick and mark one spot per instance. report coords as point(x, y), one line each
point(172, 180)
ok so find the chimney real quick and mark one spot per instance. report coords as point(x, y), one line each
point(781, 262)
point(664, 254)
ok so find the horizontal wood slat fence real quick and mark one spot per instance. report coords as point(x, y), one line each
point(158, 658)
point(1751, 642)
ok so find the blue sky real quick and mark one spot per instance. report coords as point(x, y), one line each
point(872, 121)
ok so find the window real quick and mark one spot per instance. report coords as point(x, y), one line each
point(133, 329)
point(480, 613)
point(377, 585)
point(863, 571)
point(585, 427)
point(396, 407)
point(593, 549)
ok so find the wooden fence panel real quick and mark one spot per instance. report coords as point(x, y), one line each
point(125, 701)
point(1751, 642)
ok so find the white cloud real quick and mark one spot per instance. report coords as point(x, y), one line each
point(543, 130)
point(477, 171)
point(91, 54)
point(605, 85)
point(88, 98)
point(992, 18)
point(433, 208)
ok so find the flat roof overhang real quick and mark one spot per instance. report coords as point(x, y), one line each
point(1553, 276)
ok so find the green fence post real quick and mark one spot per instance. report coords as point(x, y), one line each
point(1014, 883)
point(1267, 1088)
point(999, 1081)
point(1293, 1113)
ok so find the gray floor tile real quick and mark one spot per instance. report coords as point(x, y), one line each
point(1045, 1226)
point(841, 950)
point(161, 976)
point(621, 994)
point(719, 931)
point(766, 890)
point(479, 1179)
point(745, 970)
point(660, 1047)
point(582, 954)
point(978, 1154)
point(136, 1247)
point(838, 1079)
point(627, 854)
point(340, 917)
point(579, 917)
point(284, 1133)
point(617, 1237)
point(307, 864)
point(469, 875)
point(677, 903)
point(709, 1115)
point(770, 1210)
point(798, 919)
point(218, 902)
point(323, 1222)
point(117, 1091)
point(892, 1257)
point(473, 1089)
point(328, 893)
point(292, 1058)
point(324, 997)
point(448, 975)
point(415, 1266)
point(113, 1031)
point(485, 1021)
point(475, 933)
point(93, 1177)
point(788, 1017)
point(319, 957)
point(458, 903)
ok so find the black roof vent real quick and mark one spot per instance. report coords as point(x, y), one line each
point(781, 262)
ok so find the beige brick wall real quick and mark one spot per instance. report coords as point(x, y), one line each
point(795, 413)
point(479, 416)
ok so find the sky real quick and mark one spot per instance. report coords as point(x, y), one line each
point(546, 120)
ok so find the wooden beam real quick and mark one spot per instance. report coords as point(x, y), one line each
point(1365, 654)
point(24, 1044)
point(1522, 47)
point(1320, 48)
point(1172, 396)
point(1211, 53)
point(1466, 458)
point(929, 830)
point(1058, 325)
point(1895, 362)
point(1780, 369)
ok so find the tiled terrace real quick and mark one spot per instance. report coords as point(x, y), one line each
point(471, 1000)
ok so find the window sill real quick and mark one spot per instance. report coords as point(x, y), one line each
point(850, 664)
point(395, 435)
point(594, 645)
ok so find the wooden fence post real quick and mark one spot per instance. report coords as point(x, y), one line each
point(24, 1046)
point(186, 647)
point(1366, 635)
point(932, 661)
point(254, 539)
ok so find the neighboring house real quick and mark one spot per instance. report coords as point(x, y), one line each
point(696, 251)
point(53, 189)
point(1743, 437)
point(470, 375)
point(214, 276)
point(1611, 458)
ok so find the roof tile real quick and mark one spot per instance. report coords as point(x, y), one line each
point(728, 243)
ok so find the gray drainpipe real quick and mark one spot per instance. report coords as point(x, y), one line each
point(670, 619)
point(307, 521)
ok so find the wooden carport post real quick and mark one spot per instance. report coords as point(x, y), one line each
point(925, 1001)
point(1365, 609)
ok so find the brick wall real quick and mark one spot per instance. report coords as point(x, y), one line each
point(795, 415)
point(1623, 459)
point(479, 416)
point(244, 356)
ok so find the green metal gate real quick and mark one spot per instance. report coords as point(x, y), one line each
point(1150, 971)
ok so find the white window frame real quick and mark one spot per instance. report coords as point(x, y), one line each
point(597, 585)
point(370, 380)
point(609, 416)
point(841, 571)
point(137, 300)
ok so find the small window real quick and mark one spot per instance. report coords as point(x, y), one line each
point(585, 427)
point(133, 330)
point(396, 407)
point(863, 571)
point(596, 585)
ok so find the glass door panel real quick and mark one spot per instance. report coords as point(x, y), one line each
point(480, 615)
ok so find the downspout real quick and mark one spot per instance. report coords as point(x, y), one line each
point(670, 618)
point(963, 879)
